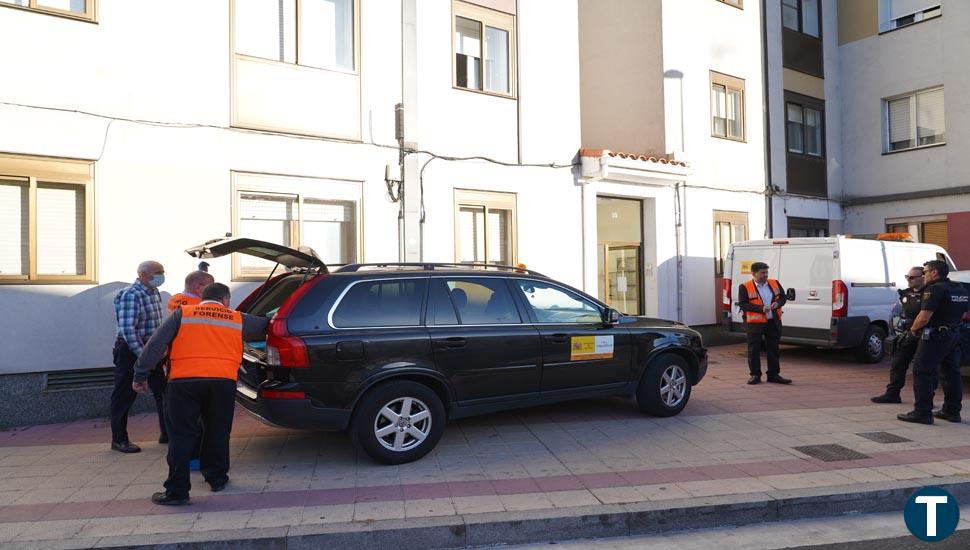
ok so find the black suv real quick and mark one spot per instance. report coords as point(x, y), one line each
point(394, 351)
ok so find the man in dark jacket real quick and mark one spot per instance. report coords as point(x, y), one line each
point(904, 346)
point(761, 300)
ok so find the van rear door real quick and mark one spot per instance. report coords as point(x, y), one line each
point(744, 255)
point(809, 270)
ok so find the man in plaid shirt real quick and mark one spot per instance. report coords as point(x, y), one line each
point(138, 311)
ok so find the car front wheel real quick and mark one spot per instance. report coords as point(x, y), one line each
point(398, 422)
point(665, 386)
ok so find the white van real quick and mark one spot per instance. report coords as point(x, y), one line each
point(841, 290)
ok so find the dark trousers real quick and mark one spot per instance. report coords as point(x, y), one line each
point(902, 356)
point(770, 334)
point(212, 399)
point(938, 360)
point(123, 397)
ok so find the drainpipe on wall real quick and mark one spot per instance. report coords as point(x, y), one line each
point(769, 186)
point(678, 236)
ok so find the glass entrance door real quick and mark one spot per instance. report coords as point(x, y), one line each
point(620, 253)
point(621, 277)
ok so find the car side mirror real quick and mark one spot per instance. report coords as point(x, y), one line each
point(790, 294)
point(611, 316)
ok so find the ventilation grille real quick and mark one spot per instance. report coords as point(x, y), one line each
point(80, 379)
point(883, 437)
point(830, 453)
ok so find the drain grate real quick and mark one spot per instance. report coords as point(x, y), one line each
point(883, 437)
point(830, 453)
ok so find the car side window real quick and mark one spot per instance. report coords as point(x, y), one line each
point(441, 310)
point(483, 301)
point(383, 303)
point(553, 305)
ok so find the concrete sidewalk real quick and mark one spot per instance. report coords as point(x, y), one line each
point(593, 468)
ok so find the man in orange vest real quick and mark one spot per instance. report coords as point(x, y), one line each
point(206, 350)
point(761, 300)
point(192, 294)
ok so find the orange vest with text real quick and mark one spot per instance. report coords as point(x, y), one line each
point(754, 298)
point(208, 344)
point(181, 299)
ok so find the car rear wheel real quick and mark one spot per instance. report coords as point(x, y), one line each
point(398, 422)
point(873, 347)
point(665, 386)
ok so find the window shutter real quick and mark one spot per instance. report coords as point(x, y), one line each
point(472, 234)
point(936, 233)
point(329, 228)
point(901, 8)
point(60, 229)
point(266, 218)
point(930, 124)
point(14, 228)
point(498, 237)
point(900, 124)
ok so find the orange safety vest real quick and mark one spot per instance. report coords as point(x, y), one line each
point(181, 299)
point(754, 298)
point(209, 343)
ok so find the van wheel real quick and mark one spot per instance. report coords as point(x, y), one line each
point(873, 347)
point(665, 386)
point(398, 422)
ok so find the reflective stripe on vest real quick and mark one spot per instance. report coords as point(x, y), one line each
point(208, 344)
point(754, 298)
point(181, 299)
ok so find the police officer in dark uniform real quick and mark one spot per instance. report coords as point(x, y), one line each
point(938, 352)
point(904, 345)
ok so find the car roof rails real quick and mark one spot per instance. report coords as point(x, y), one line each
point(431, 266)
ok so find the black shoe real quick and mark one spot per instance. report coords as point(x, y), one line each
point(887, 398)
point(913, 416)
point(777, 379)
point(166, 499)
point(216, 487)
point(163, 439)
point(755, 379)
point(125, 447)
point(946, 416)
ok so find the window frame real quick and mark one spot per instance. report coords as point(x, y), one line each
point(729, 83)
point(486, 18)
point(299, 41)
point(887, 23)
point(914, 121)
point(801, 18)
point(809, 224)
point(815, 105)
point(490, 200)
point(732, 218)
point(90, 14)
point(272, 184)
point(74, 172)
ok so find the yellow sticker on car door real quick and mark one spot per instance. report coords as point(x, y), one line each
point(584, 348)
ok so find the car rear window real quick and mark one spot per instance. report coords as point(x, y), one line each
point(270, 300)
point(383, 303)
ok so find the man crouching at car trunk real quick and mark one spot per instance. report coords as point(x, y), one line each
point(206, 349)
point(761, 300)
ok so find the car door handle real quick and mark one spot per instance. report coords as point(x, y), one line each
point(453, 342)
point(557, 338)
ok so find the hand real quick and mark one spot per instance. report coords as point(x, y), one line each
point(766, 309)
point(914, 333)
point(140, 387)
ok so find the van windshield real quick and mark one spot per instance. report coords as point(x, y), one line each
point(269, 303)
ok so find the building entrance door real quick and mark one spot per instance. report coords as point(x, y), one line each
point(620, 254)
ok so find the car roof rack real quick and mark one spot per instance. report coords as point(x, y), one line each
point(431, 266)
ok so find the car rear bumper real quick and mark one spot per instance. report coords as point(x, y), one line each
point(291, 413)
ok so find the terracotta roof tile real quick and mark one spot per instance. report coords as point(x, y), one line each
point(659, 159)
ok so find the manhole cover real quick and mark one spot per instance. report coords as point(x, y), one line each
point(884, 437)
point(830, 453)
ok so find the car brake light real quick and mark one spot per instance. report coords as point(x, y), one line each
point(840, 299)
point(726, 295)
point(276, 394)
point(282, 348)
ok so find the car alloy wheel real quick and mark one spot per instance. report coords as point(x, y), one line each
point(673, 385)
point(402, 424)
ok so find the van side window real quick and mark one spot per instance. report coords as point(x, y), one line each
point(483, 301)
point(381, 304)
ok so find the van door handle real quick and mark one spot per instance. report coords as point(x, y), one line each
point(453, 343)
point(557, 338)
point(350, 350)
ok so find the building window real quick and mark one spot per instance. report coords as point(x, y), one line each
point(736, 3)
point(312, 33)
point(296, 212)
point(808, 227)
point(805, 134)
point(485, 227)
point(932, 231)
point(46, 220)
point(727, 106)
point(484, 49)
point(801, 16)
point(79, 9)
point(916, 120)
point(901, 13)
point(729, 228)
